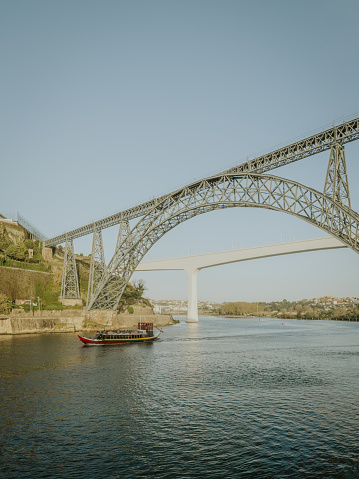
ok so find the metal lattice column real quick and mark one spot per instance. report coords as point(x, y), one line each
point(70, 283)
point(336, 182)
point(123, 233)
point(97, 265)
point(110, 290)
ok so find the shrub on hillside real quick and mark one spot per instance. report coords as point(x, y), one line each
point(5, 304)
point(4, 243)
point(133, 294)
point(4, 238)
point(11, 251)
point(33, 260)
point(29, 244)
point(16, 251)
point(38, 256)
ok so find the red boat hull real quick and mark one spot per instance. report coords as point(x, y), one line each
point(112, 342)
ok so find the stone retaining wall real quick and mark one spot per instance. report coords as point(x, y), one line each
point(74, 320)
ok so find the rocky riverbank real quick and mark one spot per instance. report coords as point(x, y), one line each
point(19, 322)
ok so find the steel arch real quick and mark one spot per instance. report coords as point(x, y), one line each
point(222, 191)
point(321, 141)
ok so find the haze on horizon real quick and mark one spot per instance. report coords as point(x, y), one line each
point(107, 104)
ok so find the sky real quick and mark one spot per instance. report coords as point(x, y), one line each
point(106, 104)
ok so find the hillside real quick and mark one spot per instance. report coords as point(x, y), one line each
point(25, 274)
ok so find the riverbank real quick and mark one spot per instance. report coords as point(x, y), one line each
point(355, 319)
point(233, 316)
point(74, 320)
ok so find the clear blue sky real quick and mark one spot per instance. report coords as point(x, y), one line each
point(105, 104)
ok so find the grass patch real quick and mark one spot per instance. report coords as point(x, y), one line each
point(12, 263)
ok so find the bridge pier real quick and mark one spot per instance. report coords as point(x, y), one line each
point(336, 182)
point(192, 310)
point(193, 264)
point(97, 265)
point(70, 291)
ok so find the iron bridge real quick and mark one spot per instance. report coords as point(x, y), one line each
point(246, 185)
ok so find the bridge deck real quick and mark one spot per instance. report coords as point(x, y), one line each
point(188, 263)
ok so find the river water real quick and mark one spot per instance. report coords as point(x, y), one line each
point(224, 398)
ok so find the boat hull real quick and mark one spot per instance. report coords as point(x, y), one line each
point(114, 342)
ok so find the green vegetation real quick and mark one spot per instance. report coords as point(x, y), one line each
point(323, 308)
point(327, 308)
point(17, 284)
point(15, 247)
point(5, 241)
point(18, 251)
point(5, 304)
point(29, 265)
point(241, 309)
point(133, 294)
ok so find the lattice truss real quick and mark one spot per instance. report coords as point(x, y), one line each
point(336, 182)
point(70, 283)
point(317, 143)
point(97, 265)
point(223, 191)
point(313, 145)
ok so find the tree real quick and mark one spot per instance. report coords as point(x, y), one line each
point(133, 294)
point(11, 251)
point(5, 304)
point(4, 243)
point(16, 251)
point(29, 244)
point(4, 239)
point(241, 308)
point(139, 288)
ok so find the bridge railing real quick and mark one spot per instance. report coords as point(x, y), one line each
point(30, 227)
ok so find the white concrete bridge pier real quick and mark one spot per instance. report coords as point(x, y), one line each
point(192, 308)
point(193, 264)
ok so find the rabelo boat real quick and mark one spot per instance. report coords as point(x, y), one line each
point(143, 334)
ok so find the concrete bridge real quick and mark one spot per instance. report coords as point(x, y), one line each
point(193, 264)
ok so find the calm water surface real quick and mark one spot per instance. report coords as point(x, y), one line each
point(222, 398)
